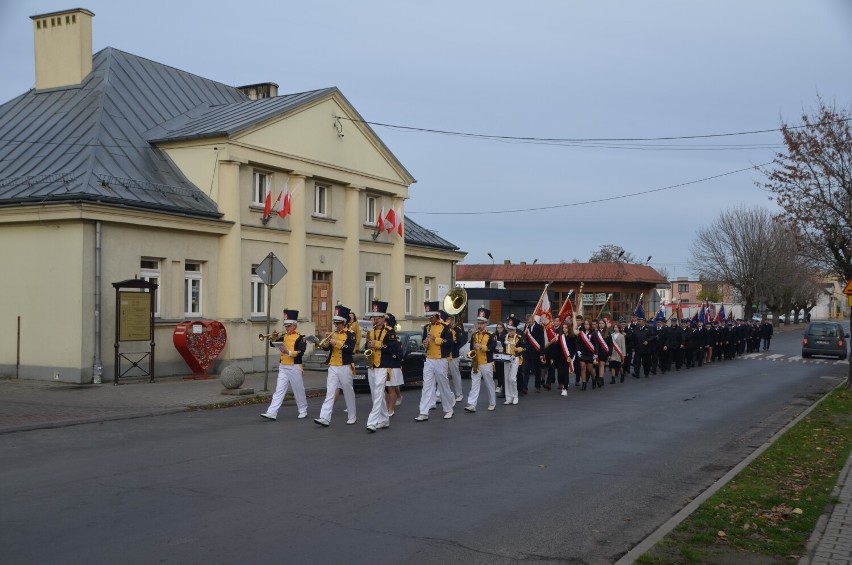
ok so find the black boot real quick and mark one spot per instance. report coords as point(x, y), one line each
point(583, 387)
point(612, 380)
point(622, 378)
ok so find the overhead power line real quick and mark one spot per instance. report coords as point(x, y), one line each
point(596, 201)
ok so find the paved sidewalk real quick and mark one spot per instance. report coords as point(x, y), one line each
point(831, 542)
point(28, 405)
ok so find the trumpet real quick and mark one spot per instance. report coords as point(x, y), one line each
point(474, 361)
point(271, 337)
point(321, 343)
point(368, 353)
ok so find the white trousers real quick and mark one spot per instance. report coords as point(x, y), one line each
point(455, 372)
point(378, 379)
point(486, 374)
point(289, 376)
point(435, 375)
point(510, 371)
point(338, 378)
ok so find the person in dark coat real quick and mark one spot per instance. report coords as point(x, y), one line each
point(644, 341)
point(766, 331)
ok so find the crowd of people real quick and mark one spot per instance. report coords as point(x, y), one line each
point(504, 363)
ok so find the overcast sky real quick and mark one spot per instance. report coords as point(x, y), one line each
point(541, 70)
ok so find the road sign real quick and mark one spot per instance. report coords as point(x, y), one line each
point(847, 290)
point(271, 270)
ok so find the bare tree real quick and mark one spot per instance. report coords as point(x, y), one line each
point(610, 253)
point(812, 181)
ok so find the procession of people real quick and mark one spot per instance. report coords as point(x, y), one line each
point(577, 351)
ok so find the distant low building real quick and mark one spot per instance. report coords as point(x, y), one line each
point(515, 288)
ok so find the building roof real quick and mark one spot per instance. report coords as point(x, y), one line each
point(582, 272)
point(415, 234)
point(86, 143)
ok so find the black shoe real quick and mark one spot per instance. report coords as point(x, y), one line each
point(622, 379)
point(612, 380)
point(653, 372)
point(583, 387)
point(635, 375)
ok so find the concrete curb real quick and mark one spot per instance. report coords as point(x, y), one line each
point(661, 532)
point(822, 523)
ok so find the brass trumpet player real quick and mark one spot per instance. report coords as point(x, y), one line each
point(340, 345)
point(378, 355)
point(482, 344)
point(437, 340)
point(292, 347)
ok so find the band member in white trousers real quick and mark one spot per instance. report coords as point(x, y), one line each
point(482, 344)
point(512, 345)
point(459, 339)
point(437, 339)
point(379, 344)
point(341, 344)
point(292, 347)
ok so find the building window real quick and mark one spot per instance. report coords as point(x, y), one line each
point(149, 270)
point(258, 294)
point(370, 217)
point(262, 184)
point(192, 289)
point(370, 290)
point(427, 289)
point(683, 287)
point(321, 200)
point(408, 283)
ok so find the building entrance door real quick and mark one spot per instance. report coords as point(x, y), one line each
point(321, 308)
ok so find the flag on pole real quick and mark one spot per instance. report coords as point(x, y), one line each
point(267, 207)
point(566, 313)
point(278, 207)
point(545, 314)
point(390, 221)
point(660, 315)
point(399, 219)
point(578, 306)
point(701, 314)
point(380, 221)
point(640, 310)
point(606, 315)
point(720, 315)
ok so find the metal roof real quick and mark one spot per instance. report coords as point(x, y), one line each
point(415, 234)
point(231, 118)
point(85, 143)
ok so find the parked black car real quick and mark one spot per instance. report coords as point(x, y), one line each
point(825, 338)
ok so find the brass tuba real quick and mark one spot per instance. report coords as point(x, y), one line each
point(455, 302)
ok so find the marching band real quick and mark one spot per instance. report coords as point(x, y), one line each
point(595, 348)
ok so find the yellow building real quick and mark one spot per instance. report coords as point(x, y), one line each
point(116, 167)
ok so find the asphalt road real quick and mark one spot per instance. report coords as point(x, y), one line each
point(580, 479)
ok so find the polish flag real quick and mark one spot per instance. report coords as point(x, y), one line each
point(399, 224)
point(279, 205)
point(380, 222)
point(267, 208)
point(283, 207)
point(391, 220)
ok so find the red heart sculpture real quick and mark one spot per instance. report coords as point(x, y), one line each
point(200, 343)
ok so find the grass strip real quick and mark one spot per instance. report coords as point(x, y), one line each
point(767, 513)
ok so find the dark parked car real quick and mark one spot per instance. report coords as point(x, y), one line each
point(825, 338)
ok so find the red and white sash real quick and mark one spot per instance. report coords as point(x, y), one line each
point(532, 340)
point(564, 344)
point(587, 342)
point(617, 349)
point(602, 341)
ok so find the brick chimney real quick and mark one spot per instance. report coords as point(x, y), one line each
point(63, 47)
point(260, 90)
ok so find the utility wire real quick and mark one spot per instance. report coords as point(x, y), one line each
point(619, 197)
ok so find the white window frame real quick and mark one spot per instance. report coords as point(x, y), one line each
point(258, 293)
point(408, 290)
point(321, 200)
point(192, 285)
point(683, 288)
point(370, 282)
point(152, 274)
point(261, 184)
point(371, 210)
point(427, 289)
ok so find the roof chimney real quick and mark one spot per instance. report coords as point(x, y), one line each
point(63, 47)
point(260, 90)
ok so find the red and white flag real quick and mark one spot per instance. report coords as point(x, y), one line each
point(545, 314)
point(278, 207)
point(399, 218)
point(566, 313)
point(283, 205)
point(267, 208)
point(380, 222)
point(390, 221)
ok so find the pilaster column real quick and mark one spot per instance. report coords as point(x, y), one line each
point(297, 284)
point(229, 273)
point(351, 291)
point(396, 300)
